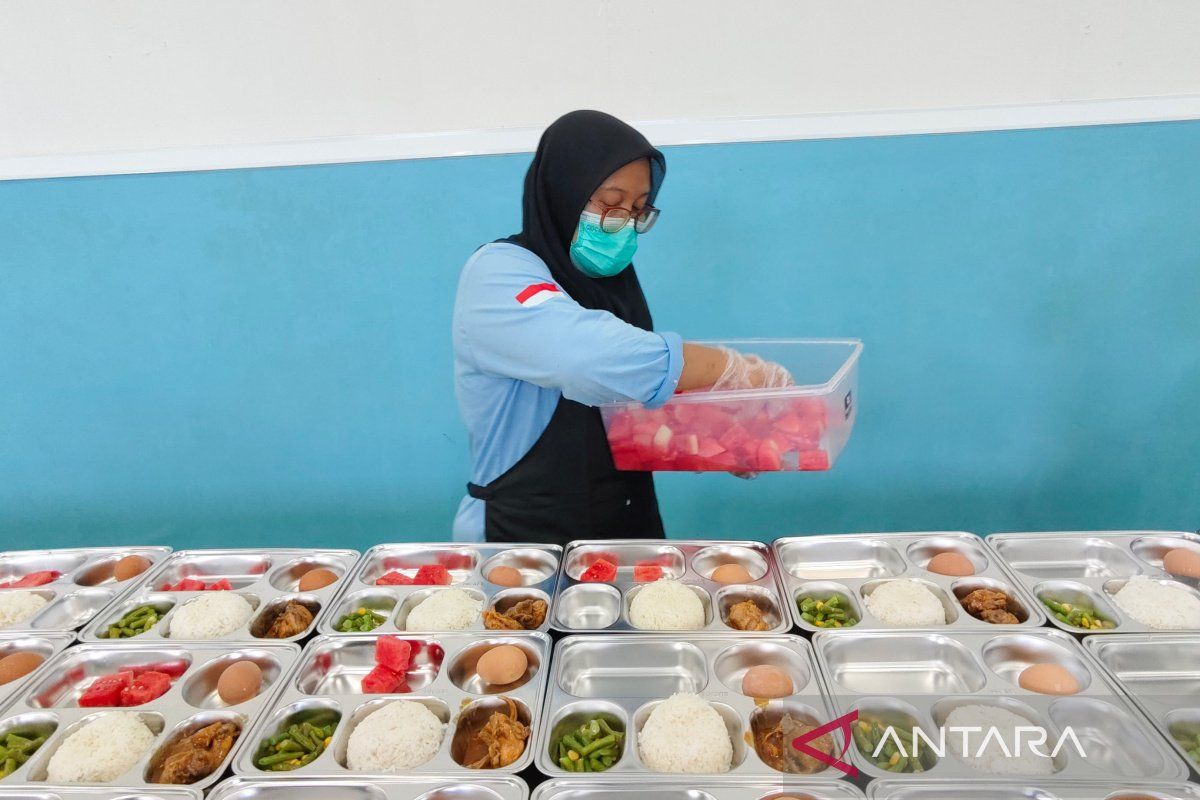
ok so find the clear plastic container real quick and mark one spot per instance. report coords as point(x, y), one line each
point(800, 428)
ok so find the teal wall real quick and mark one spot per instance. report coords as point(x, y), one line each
point(263, 356)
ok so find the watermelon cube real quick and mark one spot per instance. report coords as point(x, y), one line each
point(147, 686)
point(222, 585)
point(647, 573)
point(394, 578)
point(662, 440)
point(432, 575)
point(37, 579)
point(382, 680)
point(769, 458)
point(105, 691)
point(393, 653)
point(814, 460)
point(601, 572)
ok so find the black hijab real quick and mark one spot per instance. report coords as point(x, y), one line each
point(575, 154)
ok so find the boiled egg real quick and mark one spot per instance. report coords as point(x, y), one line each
point(316, 579)
point(241, 681)
point(955, 564)
point(731, 573)
point(506, 576)
point(767, 682)
point(18, 665)
point(1048, 679)
point(1184, 563)
point(502, 665)
point(130, 567)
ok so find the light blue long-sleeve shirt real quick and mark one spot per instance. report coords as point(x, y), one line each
point(520, 343)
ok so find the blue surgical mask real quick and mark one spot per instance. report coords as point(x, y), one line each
point(600, 254)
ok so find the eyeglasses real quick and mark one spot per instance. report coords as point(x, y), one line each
point(614, 218)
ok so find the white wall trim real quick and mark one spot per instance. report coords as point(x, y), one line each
point(662, 132)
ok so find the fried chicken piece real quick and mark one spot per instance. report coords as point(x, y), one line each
point(197, 756)
point(526, 615)
point(998, 616)
point(774, 746)
point(294, 619)
point(500, 741)
point(747, 616)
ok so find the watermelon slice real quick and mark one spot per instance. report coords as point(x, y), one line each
point(382, 680)
point(394, 578)
point(149, 685)
point(432, 575)
point(36, 579)
point(393, 653)
point(647, 573)
point(105, 691)
point(601, 572)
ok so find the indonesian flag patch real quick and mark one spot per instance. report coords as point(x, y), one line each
point(537, 293)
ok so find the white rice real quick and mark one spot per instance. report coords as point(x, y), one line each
point(666, 605)
point(685, 734)
point(101, 751)
point(1165, 606)
point(444, 610)
point(906, 602)
point(19, 606)
point(399, 736)
point(993, 759)
point(211, 615)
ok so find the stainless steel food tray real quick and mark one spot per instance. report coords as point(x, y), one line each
point(468, 565)
point(475, 787)
point(580, 607)
point(600, 789)
point(904, 677)
point(854, 565)
point(1091, 567)
point(266, 578)
point(85, 588)
point(190, 704)
point(45, 791)
point(1161, 672)
point(622, 677)
point(1031, 790)
point(442, 678)
point(47, 644)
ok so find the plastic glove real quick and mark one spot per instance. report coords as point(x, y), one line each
point(748, 371)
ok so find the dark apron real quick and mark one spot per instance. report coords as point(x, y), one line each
point(566, 488)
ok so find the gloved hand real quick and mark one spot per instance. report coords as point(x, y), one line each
point(748, 371)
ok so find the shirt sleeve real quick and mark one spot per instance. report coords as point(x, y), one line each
point(516, 322)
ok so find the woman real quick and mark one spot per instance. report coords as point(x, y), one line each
point(550, 323)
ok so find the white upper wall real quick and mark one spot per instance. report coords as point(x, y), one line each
point(133, 75)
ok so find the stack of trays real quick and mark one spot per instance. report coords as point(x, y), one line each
point(1089, 568)
point(604, 606)
point(851, 567)
point(1161, 672)
point(477, 787)
point(267, 579)
point(621, 678)
point(441, 677)
point(85, 793)
point(468, 565)
point(601, 789)
point(85, 588)
point(911, 678)
point(1041, 790)
point(50, 704)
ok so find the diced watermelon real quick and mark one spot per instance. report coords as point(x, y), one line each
point(662, 440)
point(454, 560)
point(222, 585)
point(814, 460)
point(620, 426)
point(174, 669)
point(601, 572)
point(382, 680)
point(647, 573)
point(432, 575)
point(769, 459)
point(105, 691)
point(145, 687)
point(734, 437)
point(393, 653)
point(393, 578)
point(37, 579)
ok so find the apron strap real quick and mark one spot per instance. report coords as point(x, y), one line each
point(484, 493)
